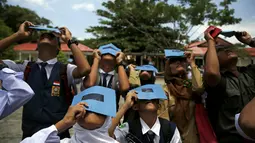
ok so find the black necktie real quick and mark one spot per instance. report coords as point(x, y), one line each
point(105, 80)
point(43, 72)
point(150, 136)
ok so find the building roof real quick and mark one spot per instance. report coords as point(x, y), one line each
point(203, 44)
point(201, 51)
point(200, 47)
point(251, 51)
point(64, 47)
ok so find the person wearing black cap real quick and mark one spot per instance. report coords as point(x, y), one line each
point(49, 79)
point(229, 88)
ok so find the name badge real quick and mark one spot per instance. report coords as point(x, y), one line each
point(55, 91)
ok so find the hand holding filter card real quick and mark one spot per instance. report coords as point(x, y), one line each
point(173, 53)
point(100, 100)
point(214, 31)
point(42, 28)
point(147, 68)
point(150, 91)
point(109, 49)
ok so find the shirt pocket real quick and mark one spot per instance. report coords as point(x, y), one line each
point(232, 100)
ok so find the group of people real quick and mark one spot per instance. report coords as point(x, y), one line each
point(44, 89)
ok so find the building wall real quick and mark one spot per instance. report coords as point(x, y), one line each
point(245, 61)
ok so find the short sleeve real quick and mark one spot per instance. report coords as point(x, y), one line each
point(239, 130)
point(219, 88)
point(69, 72)
point(176, 137)
point(121, 132)
point(16, 67)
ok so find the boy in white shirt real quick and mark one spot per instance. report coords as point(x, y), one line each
point(147, 127)
point(90, 125)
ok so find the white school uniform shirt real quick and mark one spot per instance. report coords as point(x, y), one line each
point(239, 130)
point(121, 132)
point(108, 78)
point(50, 64)
point(17, 92)
point(81, 135)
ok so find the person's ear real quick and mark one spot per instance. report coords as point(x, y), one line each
point(135, 107)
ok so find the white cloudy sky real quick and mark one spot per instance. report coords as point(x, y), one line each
point(78, 15)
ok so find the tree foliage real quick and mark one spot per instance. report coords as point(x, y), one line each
point(4, 32)
point(62, 57)
point(13, 16)
point(10, 19)
point(153, 25)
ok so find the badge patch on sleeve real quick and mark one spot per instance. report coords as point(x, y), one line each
point(122, 126)
point(55, 91)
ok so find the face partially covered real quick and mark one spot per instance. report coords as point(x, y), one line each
point(226, 56)
point(176, 66)
point(48, 41)
point(146, 75)
point(92, 121)
point(107, 63)
point(147, 105)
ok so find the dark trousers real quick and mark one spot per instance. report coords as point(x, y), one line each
point(62, 135)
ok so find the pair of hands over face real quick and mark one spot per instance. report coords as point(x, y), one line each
point(24, 32)
point(244, 36)
point(120, 56)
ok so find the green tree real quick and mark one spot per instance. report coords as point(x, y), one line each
point(240, 45)
point(153, 25)
point(10, 19)
point(13, 16)
point(91, 43)
point(62, 57)
point(4, 32)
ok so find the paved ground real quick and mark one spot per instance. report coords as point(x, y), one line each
point(10, 127)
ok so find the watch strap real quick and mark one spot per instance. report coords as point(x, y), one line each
point(70, 42)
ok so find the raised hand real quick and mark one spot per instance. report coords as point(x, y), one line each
point(24, 30)
point(244, 37)
point(190, 56)
point(74, 113)
point(120, 57)
point(130, 99)
point(97, 54)
point(131, 67)
point(65, 35)
point(207, 34)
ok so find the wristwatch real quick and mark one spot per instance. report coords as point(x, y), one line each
point(122, 63)
point(252, 43)
point(70, 42)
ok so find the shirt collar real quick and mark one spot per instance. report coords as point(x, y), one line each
point(102, 71)
point(50, 62)
point(155, 128)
